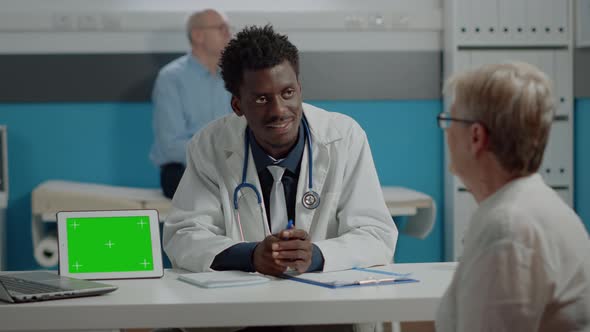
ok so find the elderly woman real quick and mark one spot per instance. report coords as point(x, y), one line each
point(526, 259)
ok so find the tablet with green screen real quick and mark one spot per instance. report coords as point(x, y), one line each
point(109, 244)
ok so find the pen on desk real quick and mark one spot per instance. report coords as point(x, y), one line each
point(375, 281)
point(363, 282)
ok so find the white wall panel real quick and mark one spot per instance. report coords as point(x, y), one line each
point(545, 42)
point(115, 26)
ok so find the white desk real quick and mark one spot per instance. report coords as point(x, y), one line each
point(168, 302)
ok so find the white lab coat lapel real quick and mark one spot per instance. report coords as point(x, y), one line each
point(252, 225)
point(321, 163)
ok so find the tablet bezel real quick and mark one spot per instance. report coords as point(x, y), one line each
point(63, 216)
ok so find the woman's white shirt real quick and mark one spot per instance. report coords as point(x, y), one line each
point(525, 265)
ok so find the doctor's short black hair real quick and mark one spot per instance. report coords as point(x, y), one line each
point(255, 48)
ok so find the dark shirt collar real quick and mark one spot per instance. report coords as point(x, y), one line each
point(291, 161)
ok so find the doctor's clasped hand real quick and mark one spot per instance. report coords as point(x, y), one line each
point(290, 249)
point(294, 250)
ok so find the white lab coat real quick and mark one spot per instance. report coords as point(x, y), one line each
point(351, 226)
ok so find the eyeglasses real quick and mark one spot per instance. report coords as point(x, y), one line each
point(445, 119)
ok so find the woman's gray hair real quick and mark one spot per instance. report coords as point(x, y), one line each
point(514, 102)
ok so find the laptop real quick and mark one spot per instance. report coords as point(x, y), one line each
point(16, 287)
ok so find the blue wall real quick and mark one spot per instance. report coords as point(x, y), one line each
point(102, 143)
point(109, 143)
point(407, 147)
point(582, 160)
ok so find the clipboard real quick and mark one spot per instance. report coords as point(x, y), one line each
point(356, 277)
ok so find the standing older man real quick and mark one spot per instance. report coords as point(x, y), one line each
point(188, 94)
point(526, 260)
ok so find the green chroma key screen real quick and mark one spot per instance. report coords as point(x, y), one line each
point(109, 244)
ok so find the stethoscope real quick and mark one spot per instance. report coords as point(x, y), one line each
point(310, 199)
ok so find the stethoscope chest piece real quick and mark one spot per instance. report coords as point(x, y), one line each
point(311, 200)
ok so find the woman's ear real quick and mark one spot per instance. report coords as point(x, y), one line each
point(479, 138)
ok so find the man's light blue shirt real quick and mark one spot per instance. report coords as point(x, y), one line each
point(186, 97)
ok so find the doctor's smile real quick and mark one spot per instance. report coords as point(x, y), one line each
point(280, 128)
point(280, 125)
